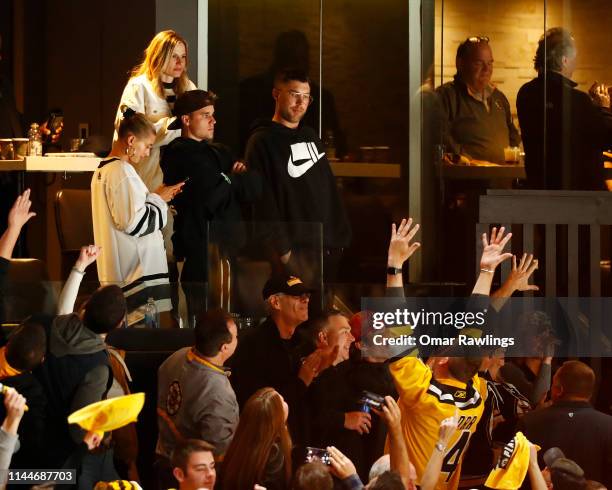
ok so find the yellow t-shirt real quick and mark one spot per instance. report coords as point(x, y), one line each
point(512, 466)
point(424, 403)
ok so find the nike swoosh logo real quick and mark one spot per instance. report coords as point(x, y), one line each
point(299, 152)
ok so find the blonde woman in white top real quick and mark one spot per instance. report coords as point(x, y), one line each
point(151, 90)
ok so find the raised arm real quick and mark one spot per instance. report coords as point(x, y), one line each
point(88, 255)
point(400, 250)
point(398, 452)
point(430, 476)
point(518, 280)
point(18, 216)
point(536, 479)
point(492, 256)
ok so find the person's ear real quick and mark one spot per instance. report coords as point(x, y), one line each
point(322, 339)
point(275, 93)
point(178, 474)
point(275, 302)
point(185, 119)
point(131, 139)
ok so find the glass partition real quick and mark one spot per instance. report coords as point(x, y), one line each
point(242, 256)
point(248, 42)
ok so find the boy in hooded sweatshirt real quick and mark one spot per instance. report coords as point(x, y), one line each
point(75, 373)
point(299, 188)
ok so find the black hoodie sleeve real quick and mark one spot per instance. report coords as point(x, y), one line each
point(266, 212)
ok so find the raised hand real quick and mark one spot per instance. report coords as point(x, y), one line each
point(391, 414)
point(20, 213)
point(92, 439)
point(518, 279)
point(447, 428)
point(341, 466)
point(88, 255)
point(492, 249)
point(400, 248)
point(15, 406)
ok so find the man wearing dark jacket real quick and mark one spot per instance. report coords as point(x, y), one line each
point(300, 192)
point(215, 187)
point(273, 353)
point(572, 424)
point(563, 143)
point(76, 373)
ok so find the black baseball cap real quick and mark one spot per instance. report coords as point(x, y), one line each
point(189, 102)
point(290, 285)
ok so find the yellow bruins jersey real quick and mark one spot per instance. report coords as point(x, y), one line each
point(424, 403)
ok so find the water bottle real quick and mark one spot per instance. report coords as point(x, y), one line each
point(35, 146)
point(330, 145)
point(151, 316)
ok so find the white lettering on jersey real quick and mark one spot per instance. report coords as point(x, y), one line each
point(302, 151)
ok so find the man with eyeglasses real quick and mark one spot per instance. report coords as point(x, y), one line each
point(299, 188)
point(478, 122)
point(273, 354)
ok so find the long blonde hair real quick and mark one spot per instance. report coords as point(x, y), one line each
point(156, 57)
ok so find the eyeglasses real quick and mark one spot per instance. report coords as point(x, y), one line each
point(300, 96)
point(478, 39)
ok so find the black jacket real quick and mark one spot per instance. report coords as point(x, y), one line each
point(581, 432)
point(337, 391)
point(75, 373)
point(211, 196)
point(568, 156)
point(264, 359)
point(32, 441)
point(299, 188)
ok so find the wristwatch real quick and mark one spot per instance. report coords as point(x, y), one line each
point(393, 271)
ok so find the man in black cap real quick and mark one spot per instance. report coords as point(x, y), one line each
point(208, 209)
point(274, 355)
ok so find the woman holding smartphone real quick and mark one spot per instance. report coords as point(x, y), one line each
point(128, 219)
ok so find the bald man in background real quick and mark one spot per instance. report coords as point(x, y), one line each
point(572, 424)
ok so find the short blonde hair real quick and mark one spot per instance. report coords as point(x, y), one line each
point(156, 57)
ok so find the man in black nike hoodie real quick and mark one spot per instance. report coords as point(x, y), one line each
point(300, 192)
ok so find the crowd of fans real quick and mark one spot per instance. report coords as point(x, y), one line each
point(307, 405)
point(292, 414)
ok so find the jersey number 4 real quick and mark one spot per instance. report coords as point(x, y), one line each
point(451, 460)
